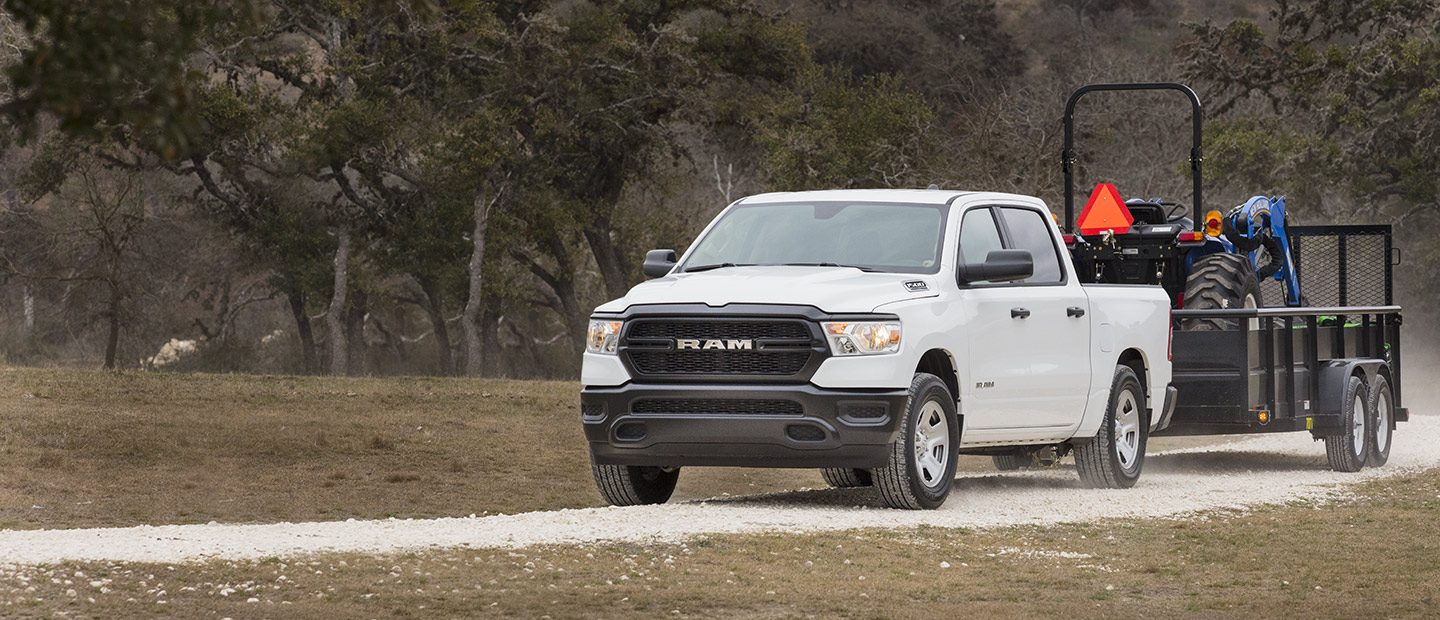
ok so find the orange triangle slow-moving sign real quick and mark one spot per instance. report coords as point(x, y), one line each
point(1104, 211)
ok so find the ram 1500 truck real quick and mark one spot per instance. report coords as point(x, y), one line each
point(875, 335)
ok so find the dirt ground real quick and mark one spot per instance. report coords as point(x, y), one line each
point(1370, 556)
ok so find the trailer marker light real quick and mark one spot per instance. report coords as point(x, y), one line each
point(1264, 417)
point(1105, 211)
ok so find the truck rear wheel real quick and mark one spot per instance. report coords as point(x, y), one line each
point(921, 468)
point(1348, 450)
point(1009, 462)
point(1113, 460)
point(1382, 421)
point(845, 477)
point(627, 485)
point(1220, 282)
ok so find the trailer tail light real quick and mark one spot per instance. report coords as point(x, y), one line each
point(1068, 240)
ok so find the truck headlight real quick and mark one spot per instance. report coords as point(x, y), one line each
point(864, 338)
point(603, 337)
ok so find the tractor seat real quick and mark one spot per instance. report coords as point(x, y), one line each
point(1146, 212)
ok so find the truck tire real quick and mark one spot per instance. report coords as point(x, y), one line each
point(921, 468)
point(628, 485)
point(1218, 282)
point(846, 477)
point(1009, 462)
point(1113, 460)
point(1348, 450)
point(1382, 421)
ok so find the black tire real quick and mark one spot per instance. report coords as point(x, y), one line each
point(845, 477)
point(1010, 462)
point(625, 485)
point(1381, 406)
point(1218, 282)
point(1103, 463)
point(901, 482)
point(1349, 449)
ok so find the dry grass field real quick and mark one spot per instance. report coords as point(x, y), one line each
point(92, 448)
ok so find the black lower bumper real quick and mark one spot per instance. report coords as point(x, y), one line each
point(741, 425)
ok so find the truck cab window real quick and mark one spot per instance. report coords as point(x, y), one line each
point(978, 236)
point(1028, 230)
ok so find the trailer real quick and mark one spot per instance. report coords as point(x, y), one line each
point(1326, 360)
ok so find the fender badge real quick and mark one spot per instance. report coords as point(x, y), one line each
point(916, 285)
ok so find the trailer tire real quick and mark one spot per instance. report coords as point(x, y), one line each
point(912, 478)
point(846, 477)
point(1348, 450)
point(1116, 456)
point(1219, 282)
point(1010, 462)
point(629, 485)
point(1382, 421)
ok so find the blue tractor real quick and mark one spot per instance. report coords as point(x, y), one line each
point(1205, 260)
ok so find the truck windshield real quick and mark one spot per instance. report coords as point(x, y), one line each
point(872, 236)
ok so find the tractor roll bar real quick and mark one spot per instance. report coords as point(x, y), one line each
point(1067, 156)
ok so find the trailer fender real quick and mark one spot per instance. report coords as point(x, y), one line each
point(1334, 375)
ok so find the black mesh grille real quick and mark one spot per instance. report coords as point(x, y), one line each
point(864, 411)
point(1339, 266)
point(705, 406)
point(805, 432)
point(718, 362)
point(720, 329)
point(592, 410)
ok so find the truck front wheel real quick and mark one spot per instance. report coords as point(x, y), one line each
point(1114, 458)
point(625, 485)
point(921, 468)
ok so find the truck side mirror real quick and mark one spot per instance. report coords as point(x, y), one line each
point(1000, 266)
point(659, 262)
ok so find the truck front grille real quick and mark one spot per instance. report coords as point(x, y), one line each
point(716, 406)
point(778, 349)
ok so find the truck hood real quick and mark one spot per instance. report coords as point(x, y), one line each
point(831, 289)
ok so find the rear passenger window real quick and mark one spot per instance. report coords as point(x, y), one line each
point(978, 236)
point(1028, 230)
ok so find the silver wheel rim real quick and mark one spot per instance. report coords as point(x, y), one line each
point(1357, 425)
point(1382, 422)
point(1127, 429)
point(1251, 304)
point(932, 444)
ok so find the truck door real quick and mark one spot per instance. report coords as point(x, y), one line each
point(1029, 340)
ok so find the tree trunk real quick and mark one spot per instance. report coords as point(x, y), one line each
point(474, 347)
point(112, 339)
point(608, 259)
point(435, 309)
point(302, 326)
point(355, 332)
point(29, 311)
point(335, 315)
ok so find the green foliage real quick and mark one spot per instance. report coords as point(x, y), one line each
point(833, 131)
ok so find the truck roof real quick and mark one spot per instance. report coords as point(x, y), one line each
point(922, 196)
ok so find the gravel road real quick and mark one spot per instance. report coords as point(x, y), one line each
point(1262, 470)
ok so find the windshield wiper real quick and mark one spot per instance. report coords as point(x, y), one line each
point(714, 266)
point(865, 269)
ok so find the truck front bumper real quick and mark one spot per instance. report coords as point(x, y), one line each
point(741, 425)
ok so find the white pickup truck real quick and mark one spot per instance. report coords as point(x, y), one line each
point(876, 335)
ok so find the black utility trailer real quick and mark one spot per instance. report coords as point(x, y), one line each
point(1295, 369)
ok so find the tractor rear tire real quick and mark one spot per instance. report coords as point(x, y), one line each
point(1220, 282)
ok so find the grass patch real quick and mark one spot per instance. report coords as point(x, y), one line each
point(90, 448)
point(1373, 557)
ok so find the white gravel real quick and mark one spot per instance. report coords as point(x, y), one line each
point(1263, 470)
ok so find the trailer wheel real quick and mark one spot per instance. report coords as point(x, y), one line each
point(1348, 450)
point(628, 485)
point(1219, 282)
point(921, 468)
point(1009, 462)
point(845, 477)
point(1382, 421)
point(1114, 459)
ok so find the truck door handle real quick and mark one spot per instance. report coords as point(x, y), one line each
point(1019, 313)
point(1075, 311)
